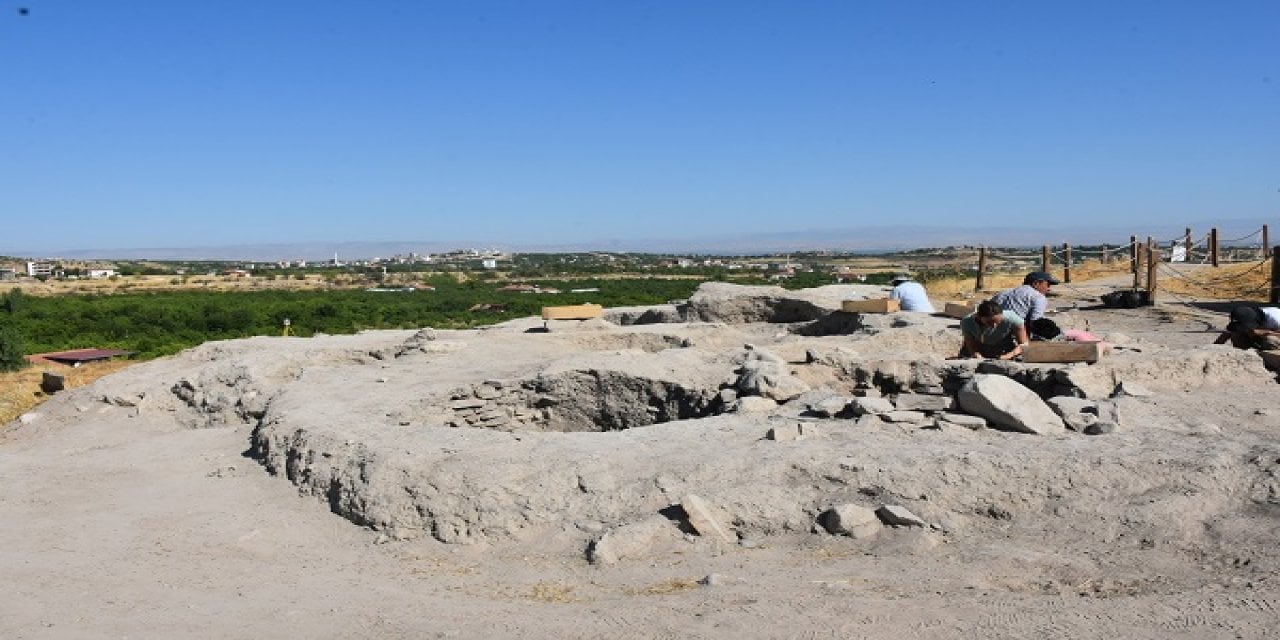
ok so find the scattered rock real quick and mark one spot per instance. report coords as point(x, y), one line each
point(973, 423)
point(787, 432)
point(1079, 421)
point(1100, 428)
point(702, 520)
point(910, 417)
point(850, 520)
point(123, 400)
point(1067, 405)
point(830, 406)
point(870, 406)
point(712, 580)
point(770, 379)
point(51, 382)
point(631, 540)
point(923, 402)
point(28, 418)
point(1007, 404)
point(898, 516)
point(728, 397)
point(755, 404)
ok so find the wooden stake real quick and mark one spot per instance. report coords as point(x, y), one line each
point(1266, 243)
point(1153, 262)
point(1066, 262)
point(1133, 255)
point(980, 283)
point(1213, 246)
point(1044, 258)
point(1186, 242)
point(1275, 276)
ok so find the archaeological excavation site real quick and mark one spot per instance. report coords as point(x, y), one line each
point(747, 441)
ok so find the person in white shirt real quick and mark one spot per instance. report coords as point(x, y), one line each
point(911, 294)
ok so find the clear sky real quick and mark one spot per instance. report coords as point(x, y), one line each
point(162, 123)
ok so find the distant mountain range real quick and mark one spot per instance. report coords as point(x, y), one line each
point(859, 239)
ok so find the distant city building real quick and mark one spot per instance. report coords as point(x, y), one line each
point(35, 269)
point(8, 274)
point(101, 273)
point(489, 263)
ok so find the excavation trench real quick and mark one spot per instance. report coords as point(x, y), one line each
point(580, 400)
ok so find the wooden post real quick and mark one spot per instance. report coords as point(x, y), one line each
point(1066, 262)
point(1266, 243)
point(1151, 253)
point(1275, 276)
point(1213, 246)
point(1186, 242)
point(1153, 262)
point(980, 283)
point(1136, 263)
point(1044, 258)
point(1133, 255)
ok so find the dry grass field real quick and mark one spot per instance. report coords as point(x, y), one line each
point(20, 390)
point(963, 288)
point(1239, 281)
point(1242, 281)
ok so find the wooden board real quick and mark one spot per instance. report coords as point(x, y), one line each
point(880, 305)
point(573, 312)
point(1062, 352)
point(959, 309)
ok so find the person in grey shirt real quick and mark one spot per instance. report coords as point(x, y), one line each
point(911, 294)
point(1029, 302)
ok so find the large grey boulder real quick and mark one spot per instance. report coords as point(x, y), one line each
point(1008, 405)
point(738, 304)
point(655, 314)
point(850, 520)
point(770, 379)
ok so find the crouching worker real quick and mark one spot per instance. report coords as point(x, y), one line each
point(1252, 328)
point(992, 332)
point(911, 294)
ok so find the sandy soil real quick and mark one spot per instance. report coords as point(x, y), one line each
point(314, 488)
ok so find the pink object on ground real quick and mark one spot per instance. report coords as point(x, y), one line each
point(1080, 335)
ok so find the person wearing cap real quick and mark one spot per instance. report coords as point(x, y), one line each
point(910, 293)
point(1252, 328)
point(1030, 303)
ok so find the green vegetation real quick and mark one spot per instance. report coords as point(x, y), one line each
point(11, 349)
point(162, 323)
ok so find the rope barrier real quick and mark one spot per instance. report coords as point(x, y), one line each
point(1243, 238)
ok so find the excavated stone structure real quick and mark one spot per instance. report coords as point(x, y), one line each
point(741, 419)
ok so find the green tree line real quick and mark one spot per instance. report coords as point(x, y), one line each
point(162, 323)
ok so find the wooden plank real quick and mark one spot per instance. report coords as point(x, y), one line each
point(1062, 352)
point(959, 309)
point(879, 305)
point(573, 312)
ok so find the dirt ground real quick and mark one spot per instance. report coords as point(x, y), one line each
point(316, 488)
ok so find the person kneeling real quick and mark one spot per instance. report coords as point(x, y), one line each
point(1252, 328)
point(992, 332)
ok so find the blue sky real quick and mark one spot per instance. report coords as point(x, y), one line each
point(153, 123)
